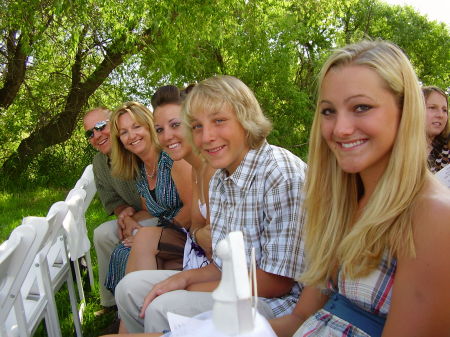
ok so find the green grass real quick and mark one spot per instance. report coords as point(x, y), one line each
point(14, 205)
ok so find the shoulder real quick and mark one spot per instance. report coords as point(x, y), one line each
point(283, 163)
point(99, 160)
point(181, 167)
point(432, 207)
point(421, 281)
point(100, 166)
point(431, 220)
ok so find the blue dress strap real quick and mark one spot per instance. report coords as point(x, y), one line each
point(345, 309)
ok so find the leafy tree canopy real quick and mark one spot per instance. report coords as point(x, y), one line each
point(59, 58)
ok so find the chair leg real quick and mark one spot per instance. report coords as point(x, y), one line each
point(51, 315)
point(79, 280)
point(73, 305)
point(19, 311)
point(89, 267)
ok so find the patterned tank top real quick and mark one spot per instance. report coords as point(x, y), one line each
point(166, 202)
point(439, 158)
point(371, 293)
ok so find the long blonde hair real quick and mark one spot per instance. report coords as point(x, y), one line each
point(125, 164)
point(333, 235)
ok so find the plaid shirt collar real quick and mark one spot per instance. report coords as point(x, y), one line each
point(244, 174)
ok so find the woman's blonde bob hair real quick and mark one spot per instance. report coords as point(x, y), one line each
point(125, 164)
point(335, 236)
point(215, 92)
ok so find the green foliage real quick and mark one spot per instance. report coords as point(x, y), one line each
point(276, 47)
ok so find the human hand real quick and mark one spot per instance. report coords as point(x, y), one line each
point(127, 211)
point(128, 241)
point(131, 226)
point(174, 282)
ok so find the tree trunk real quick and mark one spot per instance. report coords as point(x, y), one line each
point(60, 128)
point(15, 71)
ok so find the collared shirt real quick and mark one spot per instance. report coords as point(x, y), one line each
point(113, 191)
point(263, 198)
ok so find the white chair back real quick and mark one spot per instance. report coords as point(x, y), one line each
point(87, 183)
point(79, 244)
point(17, 258)
point(75, 224)
point(14, 264)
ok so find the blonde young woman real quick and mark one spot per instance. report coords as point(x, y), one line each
point(436, 102)
point(378, 224)
point(164, 185)
point(166, 103)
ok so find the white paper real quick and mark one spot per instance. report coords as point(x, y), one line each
point(444, 175)
point(178, 321)
point(203, 326)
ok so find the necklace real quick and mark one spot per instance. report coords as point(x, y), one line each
point(151, 175)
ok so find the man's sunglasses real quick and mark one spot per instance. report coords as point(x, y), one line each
point(99, 126)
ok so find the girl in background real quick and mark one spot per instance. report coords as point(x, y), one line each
point(436, 102)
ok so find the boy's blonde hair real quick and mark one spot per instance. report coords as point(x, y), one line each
point(215, 92)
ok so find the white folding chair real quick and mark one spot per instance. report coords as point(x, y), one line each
point(78, 241)
point(87, 183)
point(20, 312)
point(58, 264)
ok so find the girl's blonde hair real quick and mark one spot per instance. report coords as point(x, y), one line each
point(334, 236)
point(215, 92)
point(125, 164)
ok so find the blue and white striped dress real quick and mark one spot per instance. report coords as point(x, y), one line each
point(166, 204)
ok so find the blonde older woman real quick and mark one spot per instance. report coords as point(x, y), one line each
point(163, 184)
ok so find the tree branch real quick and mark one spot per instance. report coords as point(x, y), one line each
point(15, 71)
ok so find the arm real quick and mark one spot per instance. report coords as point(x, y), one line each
point(310, 301)
point(109, 197)
point(121, 212)
point(420, 292)
point(129, 222)
point(111, 200)
point(181, 175)
point(201, 228)
point(129, 226)
point(272, 285)
point(282, 251)
point(201, 279)
point(203, 238)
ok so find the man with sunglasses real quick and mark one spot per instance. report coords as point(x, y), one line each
point(118, 197)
